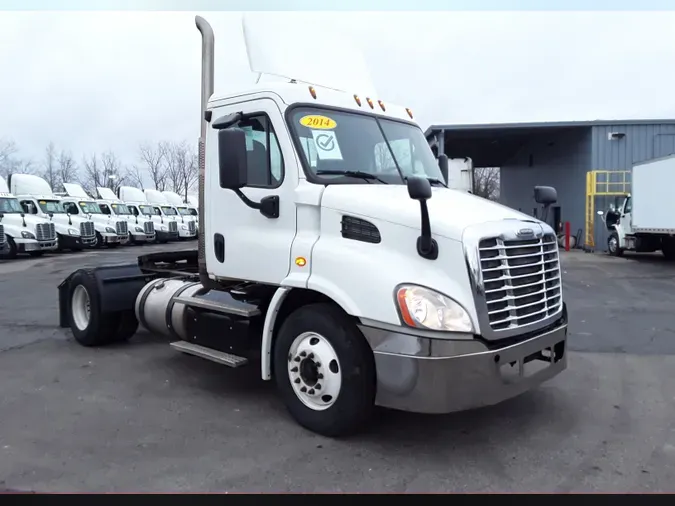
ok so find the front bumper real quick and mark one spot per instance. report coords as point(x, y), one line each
point(142, 237)
point(31, 245)
point(185, 234)
point(75, 241)
point(425, 375)
point(109, 238)
point(166, 236)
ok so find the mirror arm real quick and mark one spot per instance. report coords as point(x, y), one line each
point(268, 206)
point(427, 247)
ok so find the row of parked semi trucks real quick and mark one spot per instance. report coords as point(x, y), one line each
point(35, 220)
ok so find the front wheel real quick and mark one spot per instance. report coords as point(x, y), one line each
point(613, 245)
point(325, 370)
point(668, 249)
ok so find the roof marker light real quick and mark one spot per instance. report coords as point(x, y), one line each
point(370, 103)
point(409, 112)
point(381, 105)
point(358, 100)
point(312, 92)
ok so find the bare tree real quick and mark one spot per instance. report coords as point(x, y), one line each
point(182, 171)
point(9, 163)
point(113, 171)
point(153, 162)
point(134, 176)
point(49, 170)
point(67, 168)
point(7, 150)
point(486, 182)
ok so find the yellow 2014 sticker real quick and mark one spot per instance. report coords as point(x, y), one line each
point(43, 202)
point(318, 122)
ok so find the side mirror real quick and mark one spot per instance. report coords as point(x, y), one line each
point(419, 188)
point(2, 215)
point(443, 165)
point(545, 195)
point(232, 162)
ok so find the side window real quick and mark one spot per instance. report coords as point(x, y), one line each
point(70, 208)
point(133, 210)
point(157, 211)
point(28, 207)
point(104, 208)
point(628, 206)
point(265, 163)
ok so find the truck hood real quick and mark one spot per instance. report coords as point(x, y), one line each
point(13, 219)
point(450, 211)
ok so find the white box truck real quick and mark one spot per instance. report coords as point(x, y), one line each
point(642, 221)
point(349, 286)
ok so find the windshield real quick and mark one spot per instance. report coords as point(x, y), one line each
point(90, 207)
point(10, 205)
point(349, 141)
point(147, 210)
point(169, 211)
point(184, 211)
point(120, 209)
point(51, 206)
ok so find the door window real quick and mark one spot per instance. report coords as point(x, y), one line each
point(264, 160)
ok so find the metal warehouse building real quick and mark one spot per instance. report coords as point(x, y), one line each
point(588, 163)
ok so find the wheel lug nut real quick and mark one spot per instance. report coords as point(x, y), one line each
point(318, 364)
point(318, 386)
point(311, 391)
point(295, 369)
point(320, 376)
point(297, 380)
point(303, 353)
point(297, 359)
point(303, 389)
point(310, 356)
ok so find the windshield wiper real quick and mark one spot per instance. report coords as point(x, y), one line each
point(351, 173)
point(433, 180)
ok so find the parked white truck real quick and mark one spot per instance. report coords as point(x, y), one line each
point(110, 231)
point(165, 229)
point(23, 234)
point(161, 205)
point(37, 198)
point(184, 213)
point(642, 220)
point(141, 228)
point(353, 286)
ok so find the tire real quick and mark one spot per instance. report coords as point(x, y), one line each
point(113, 245)
point(352, 404)
point(89, 326)
point(127, 326)
point(668, 249)
point(613, 245)
point(11, 249)
point(99, 241)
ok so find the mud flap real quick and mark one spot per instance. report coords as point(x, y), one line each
point(118, 287)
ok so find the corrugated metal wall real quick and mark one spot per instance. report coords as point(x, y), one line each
point(560, 160)
point(640, 143)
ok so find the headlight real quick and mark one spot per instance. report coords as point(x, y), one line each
point(139, 229)
point(184, 227)
point(425, 309)
point(27, 235)
point(110, 230)
point(73, 231)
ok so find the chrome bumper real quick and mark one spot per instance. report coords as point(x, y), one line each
point(425, 375)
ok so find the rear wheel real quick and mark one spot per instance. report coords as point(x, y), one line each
point(668, 248)
point(613, 245)
point(325, 370)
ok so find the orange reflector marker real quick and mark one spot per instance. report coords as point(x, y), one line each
point(358, 100)
point(409, 112)
point(370, 103)
point(300, 262)
point(381, 105)
point(312, 91)
point(405, 314)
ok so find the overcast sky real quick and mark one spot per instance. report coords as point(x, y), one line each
point(91, 81)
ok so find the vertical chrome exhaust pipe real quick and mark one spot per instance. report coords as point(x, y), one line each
point(208, 50)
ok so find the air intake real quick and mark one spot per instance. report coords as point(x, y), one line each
point(357, 229)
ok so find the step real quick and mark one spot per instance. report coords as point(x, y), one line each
point(219, 357)
point(242, 309)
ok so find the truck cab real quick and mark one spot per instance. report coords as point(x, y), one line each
point(186, 216)
point(193, 206)
point(141, 229)
point(23, 233)
point(110, 231)
point(162, 207)
point(165, 229)
point(37, 198)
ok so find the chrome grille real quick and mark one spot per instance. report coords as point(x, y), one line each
point(87, 229)
point(521, 280)
point(148, 227)
point(45, 232)
point(2, 235)
point(122, 228)
point(173, 226)
point(192, 228)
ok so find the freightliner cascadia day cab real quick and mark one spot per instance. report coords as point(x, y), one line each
point(164, 208)
point(193, 206)
point(37, 198)
point(165, 230)
point(184, 213)
point(141, 229)
point(110, 231)
point(354, 279)
point(23, 233)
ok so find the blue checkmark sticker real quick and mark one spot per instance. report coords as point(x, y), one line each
point(327, 147)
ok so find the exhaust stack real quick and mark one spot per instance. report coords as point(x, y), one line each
point(208, 50)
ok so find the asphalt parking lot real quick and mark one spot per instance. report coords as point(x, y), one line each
point(143, 418)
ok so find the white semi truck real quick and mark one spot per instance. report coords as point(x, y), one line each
point(642, 220)
point(162, 207)
point(22, 233)
point(110, 231)
point(165, 229)
point(37, 198)
point(184, 213)
point(141, 229)
point(354, 287)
